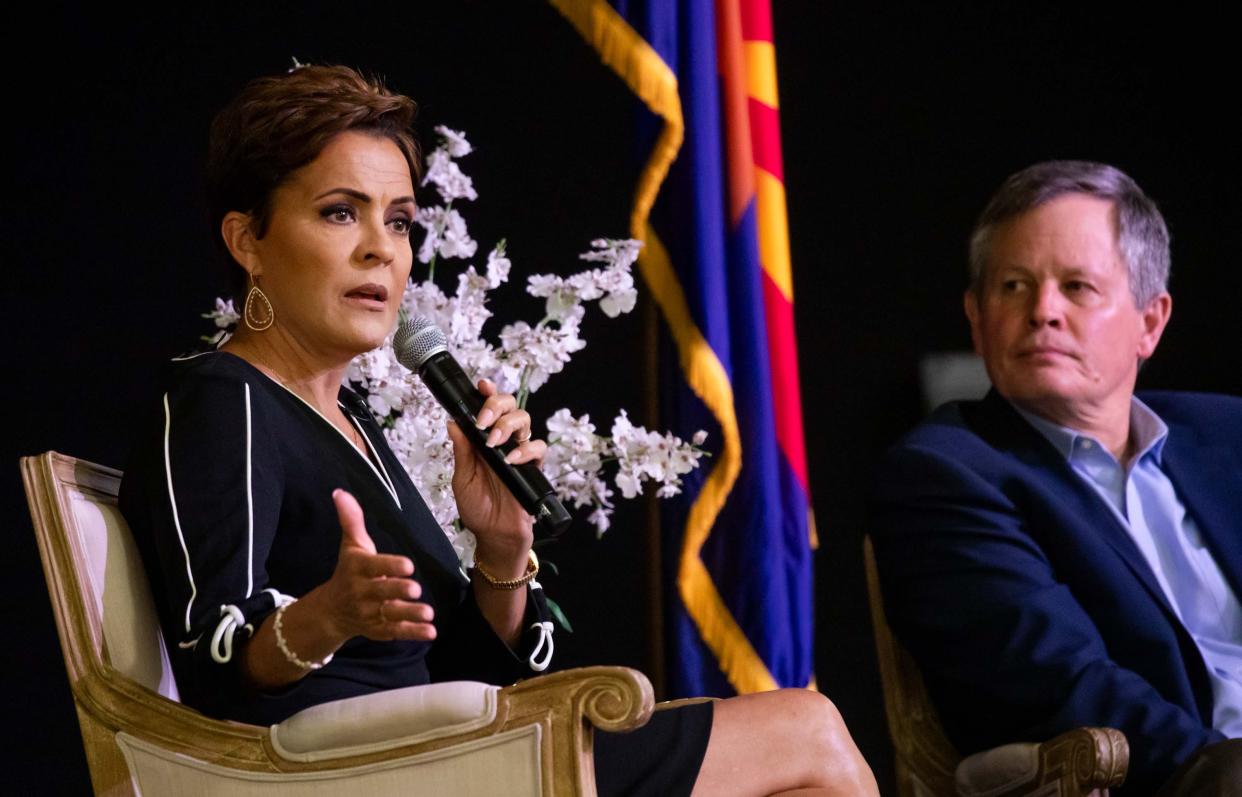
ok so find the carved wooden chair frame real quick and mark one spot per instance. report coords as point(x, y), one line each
point(1082, 761)
point(564, 705)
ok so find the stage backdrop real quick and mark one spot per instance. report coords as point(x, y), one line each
point(895, 125)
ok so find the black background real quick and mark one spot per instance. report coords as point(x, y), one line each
point(897, 125)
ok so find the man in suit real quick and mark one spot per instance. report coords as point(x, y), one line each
point(1064, 553)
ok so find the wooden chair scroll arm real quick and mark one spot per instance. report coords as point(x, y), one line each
point(1083, 761)
point(608, 698)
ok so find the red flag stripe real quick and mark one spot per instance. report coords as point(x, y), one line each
point(765, 138)
point(756, 20)
point(786, 395)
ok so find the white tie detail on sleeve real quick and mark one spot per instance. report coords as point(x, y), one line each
point(545, 641)
point(231, 618)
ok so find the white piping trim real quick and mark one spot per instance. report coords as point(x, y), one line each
point(387, 485)
point(391, 487)
point(191, 356)
point(249, 503)
point(172, 501)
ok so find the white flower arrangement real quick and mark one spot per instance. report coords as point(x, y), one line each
point(525, 356)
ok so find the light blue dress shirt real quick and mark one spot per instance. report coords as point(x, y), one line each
point(1147, 506)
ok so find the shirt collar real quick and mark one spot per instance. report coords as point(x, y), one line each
point(1146, 428)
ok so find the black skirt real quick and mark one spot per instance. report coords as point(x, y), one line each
point(660, 759)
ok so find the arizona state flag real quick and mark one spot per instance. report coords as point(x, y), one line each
point(710, 207)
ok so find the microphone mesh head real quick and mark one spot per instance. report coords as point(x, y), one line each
point(416, 340)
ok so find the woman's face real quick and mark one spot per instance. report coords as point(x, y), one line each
point(336, 256)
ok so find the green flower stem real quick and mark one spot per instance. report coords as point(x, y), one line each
point(523, 391)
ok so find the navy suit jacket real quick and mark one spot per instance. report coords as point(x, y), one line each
point(1026, 604)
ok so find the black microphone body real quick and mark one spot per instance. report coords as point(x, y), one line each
point(447, 381)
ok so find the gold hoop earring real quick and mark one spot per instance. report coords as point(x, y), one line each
point(258, 312)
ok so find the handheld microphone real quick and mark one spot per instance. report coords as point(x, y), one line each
point(422, 347)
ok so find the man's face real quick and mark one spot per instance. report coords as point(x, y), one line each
point(1054, 319)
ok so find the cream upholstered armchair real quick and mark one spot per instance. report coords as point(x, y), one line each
point(464, 738)
point(1084, 761)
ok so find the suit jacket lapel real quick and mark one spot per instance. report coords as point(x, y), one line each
point(1205, 476)
point(1013, 433)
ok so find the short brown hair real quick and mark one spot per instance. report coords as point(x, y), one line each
point(1142, 235)
point(278, 124)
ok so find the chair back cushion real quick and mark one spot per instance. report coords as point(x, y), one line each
point(87, 549)
point(119, 592)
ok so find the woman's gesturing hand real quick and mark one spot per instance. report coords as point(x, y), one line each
point(485, 505)
point(371, 594)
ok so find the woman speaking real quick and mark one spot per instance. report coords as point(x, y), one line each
point(292, 560)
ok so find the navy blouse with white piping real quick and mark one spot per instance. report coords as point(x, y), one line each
point(229, 497)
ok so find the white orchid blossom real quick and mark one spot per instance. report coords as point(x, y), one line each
point(454, 142)
point(447, 177)
point(225, 317)
point(446, 234)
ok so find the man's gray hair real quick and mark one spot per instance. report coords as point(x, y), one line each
point(1142, 236)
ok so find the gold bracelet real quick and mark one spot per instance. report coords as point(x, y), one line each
point(532, 569)
point(305, 666)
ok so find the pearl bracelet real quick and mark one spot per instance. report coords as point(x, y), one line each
point(305, 666)
point(532, 569)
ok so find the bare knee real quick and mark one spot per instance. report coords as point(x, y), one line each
point(779, 741)
point(826, 752)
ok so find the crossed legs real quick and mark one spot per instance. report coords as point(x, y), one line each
point(787, 742)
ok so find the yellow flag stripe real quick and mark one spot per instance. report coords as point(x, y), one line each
point(773, 231)
point(761, 71)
